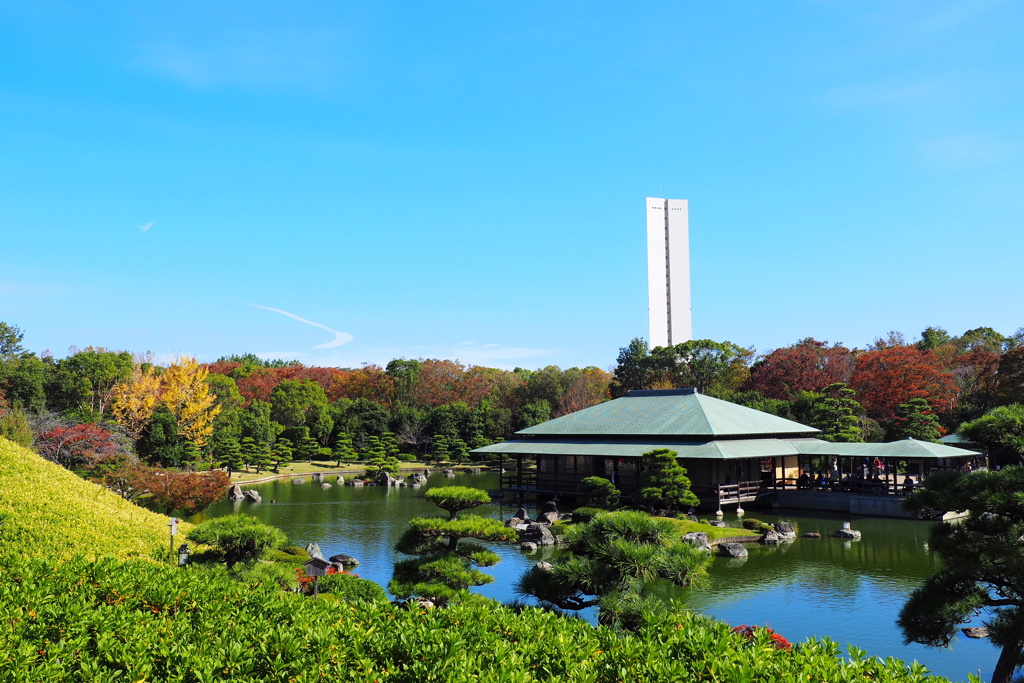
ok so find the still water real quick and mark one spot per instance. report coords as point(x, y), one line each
point(849, 591)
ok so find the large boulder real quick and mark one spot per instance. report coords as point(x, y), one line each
point(699, 539)
point(770, 537)
point(528, 547)
point(537, 533)
point(313, 550)
point(732, 550)
point(785, 530)
point(547, 517)
point(343, 559)
point(341, 480)
point(298, 480)
point(849, 534)
point(318, 477)
point(253, 496)
point(325, 485)
point(235, 493)
point(416, 479)
point(522, 514)
point(514, 522)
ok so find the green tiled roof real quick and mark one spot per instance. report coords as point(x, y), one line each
point(673, 412)
point(630, 448)
point(907, 448)
point(955, 438)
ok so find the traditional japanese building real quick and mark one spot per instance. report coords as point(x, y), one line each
point(732, 453)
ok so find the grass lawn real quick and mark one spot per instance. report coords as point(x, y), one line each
point(300, 468)
point(714, 532)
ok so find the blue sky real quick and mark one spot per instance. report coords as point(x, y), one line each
point(345, 183)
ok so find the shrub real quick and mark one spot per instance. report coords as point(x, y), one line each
point(599, 492)
point(242, 538)
point(585, 514)
point(752, 524)
point(350, 587)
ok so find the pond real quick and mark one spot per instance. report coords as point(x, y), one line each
point(849, 591)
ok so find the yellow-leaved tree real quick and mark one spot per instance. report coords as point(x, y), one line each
point(189, 397)
point(135, 399)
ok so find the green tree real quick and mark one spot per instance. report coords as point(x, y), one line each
point(281, 453)
point(255, 453)
point(612, 562)
point(293, 401)
point(240, 537)
point(10, 341)
point(256, 423)
point(703, 364)
point(343, 450)
point(915, 419)
point(306, 448)
point(836, 414)
point(933, 338)
point(634, 369)
point(599, 492)
point(446, 560)
point(982, 570)
point(229, 453)
point(1000, 430)
point(663, 482)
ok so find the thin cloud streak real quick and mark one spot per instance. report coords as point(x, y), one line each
point(340, 338)
point(146, 226)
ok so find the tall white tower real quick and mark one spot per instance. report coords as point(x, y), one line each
point(668, 271)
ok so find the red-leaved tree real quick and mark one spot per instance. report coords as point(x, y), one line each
point(887, 377)
point(808, 365)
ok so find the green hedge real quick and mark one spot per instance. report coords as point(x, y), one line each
point(111, 621)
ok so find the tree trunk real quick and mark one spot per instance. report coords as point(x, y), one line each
point(1005, 666)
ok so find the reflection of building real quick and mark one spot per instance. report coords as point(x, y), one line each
point(668, 271)
point(732, 453)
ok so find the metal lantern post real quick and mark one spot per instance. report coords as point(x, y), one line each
point(173, 524)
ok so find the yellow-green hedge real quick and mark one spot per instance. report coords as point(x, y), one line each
point(47, 511)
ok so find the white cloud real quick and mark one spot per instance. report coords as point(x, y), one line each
point(146, 226)
point(340, 338)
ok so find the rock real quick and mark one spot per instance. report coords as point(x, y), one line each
point(325, 485)
point(514, 522)
point(341, 480)
point(732, 550)
point(448, 470)
point(975, 631)
point(449, 475)
point(716, 522)
point(253, 496)
point(298, 480)
point(770, 538)
point(337, 566)
point(528, 547)
point(346, 560)
point(549, 507)
point(811, 534)
point(318, 477)
point(544, 566)
point(416, 479)
point(313, 550)
point(785, 530)
point(699, 539)
point(235, 493)
point(521, 514)
point(474, 470)
point(852, 534)
point(547, 518)
point(537, 533)
point(355, 482)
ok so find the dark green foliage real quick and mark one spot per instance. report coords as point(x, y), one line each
point(915, 420)
point(836, 414)
point(240, 537)
point(982, 563)
point(1000, 430)
point(611, 561)
point(108, 621)
point(352, 589)
point(663, 482)
point(343, 450)
point(446, 567)
point(585, 514)
point(454, 499)
point(599, 492)
point(160, 443)
point(281, 453)
point(229, 454)
point(634, 369)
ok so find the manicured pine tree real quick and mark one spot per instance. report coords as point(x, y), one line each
point(446, 560)
point(914, 419)
point(229, 453)
point(663, 482)
point(306, 448)
point(837, 414)
point(439, 448)
point(343, 450)
point(281, 453)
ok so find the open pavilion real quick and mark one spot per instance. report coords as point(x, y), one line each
point(733, 454)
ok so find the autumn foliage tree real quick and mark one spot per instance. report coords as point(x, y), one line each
point(808, 365)
point(134, 400)
point(890, 376)
point(185, 492)
point(189, 397)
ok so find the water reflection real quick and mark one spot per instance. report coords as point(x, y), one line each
point(850, 591)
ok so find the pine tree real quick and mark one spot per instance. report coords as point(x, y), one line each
point(837, 414)
point(343, 450)
point(914, 419)
point(281, 453)
point(663, 481)
point(306, 448)
point(229, 453)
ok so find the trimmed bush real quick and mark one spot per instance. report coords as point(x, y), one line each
point(350, 587)
point(585, 514)
point(242, 538)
